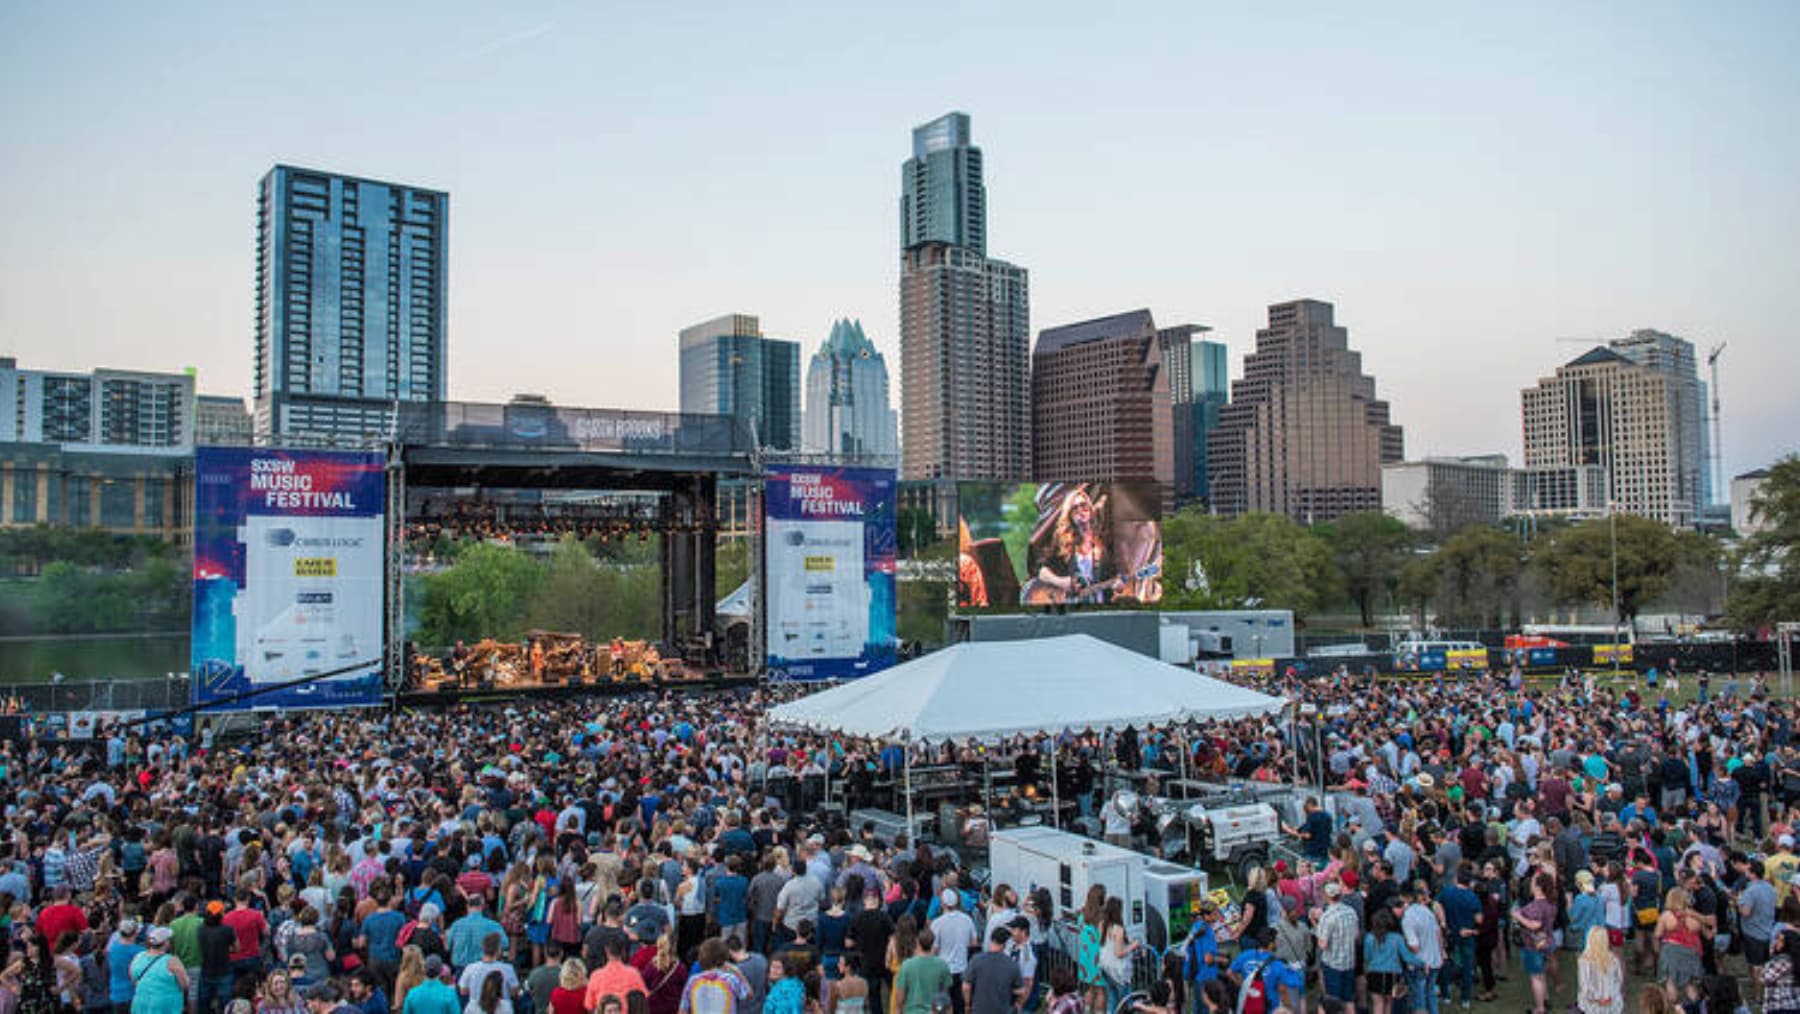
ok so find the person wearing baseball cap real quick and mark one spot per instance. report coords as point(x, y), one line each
point(158, 979)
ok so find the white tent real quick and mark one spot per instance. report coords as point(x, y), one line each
point(990, 689)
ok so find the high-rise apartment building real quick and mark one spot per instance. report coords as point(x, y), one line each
point(119, 411)
point(350, 279)
point(965, 327)
point(1101, 405)
point(1602, 409)
point(1674, 358)
point(1304, 434)
point(729, 368)
point(848, 412)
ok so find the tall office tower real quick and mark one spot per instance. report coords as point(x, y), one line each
point(1304, 434)
point(729, 368)
point(350, 278)
point(848, 413)
point(1602, 409)
point(965, 327)
point(1674, 358)
point(1198, 388)
point(1101, 407)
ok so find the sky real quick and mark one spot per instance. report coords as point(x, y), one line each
point(1480, 189)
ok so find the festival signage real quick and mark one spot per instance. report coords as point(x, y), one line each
point(288, 557)
point(829, 540)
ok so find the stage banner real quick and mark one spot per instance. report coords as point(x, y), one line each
point(829, 539)
point(288, 556)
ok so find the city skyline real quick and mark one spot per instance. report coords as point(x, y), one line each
point(1461, 263)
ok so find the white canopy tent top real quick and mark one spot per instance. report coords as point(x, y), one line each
point(993, 689)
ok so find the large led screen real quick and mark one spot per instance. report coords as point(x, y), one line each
point(1090, 544)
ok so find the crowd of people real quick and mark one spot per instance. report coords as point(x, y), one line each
point(1610, 845)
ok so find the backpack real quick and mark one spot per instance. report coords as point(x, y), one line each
point(415, 900)
point(1253, 994)
point(405, 935)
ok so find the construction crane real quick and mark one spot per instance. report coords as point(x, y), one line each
point(1717, 463)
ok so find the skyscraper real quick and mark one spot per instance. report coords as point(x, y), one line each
point(848, 413)
point(1199, 378)
point(1304, 434)
point(1674, 358)
point(965, 328)
point(729, 368)
point(1101, 406)
point(1602, 409)
point(350, 277)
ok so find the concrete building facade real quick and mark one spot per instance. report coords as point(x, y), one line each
point(1603, 410)
point(1304, 434)
point(1101, 403)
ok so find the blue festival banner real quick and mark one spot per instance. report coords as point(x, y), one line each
point(829, 538)
point(288, 565)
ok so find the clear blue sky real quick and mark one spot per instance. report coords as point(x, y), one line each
point(1466, 182)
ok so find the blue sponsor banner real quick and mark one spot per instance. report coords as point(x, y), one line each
point(829, 540)
point(288, 566)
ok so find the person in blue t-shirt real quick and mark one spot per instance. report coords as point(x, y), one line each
point(1200, 958)
point(729, 894)
point(1257, 975)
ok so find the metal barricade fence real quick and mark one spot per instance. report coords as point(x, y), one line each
point(47, 698)
point(1063, 943)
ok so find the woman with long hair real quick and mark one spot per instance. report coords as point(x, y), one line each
point(1386, 957)
point(515, 900)
point(690, 907)
point(1537, 922)
point(1087, 955)
point(664, 973)
point(410, 974)
point(1678, 936)
point(492, 998)
point(278, 996)
point(537, 906)
point(902, 944)
point(1600, 975)
point(1115, 953)
point(1780, 977)
point(565, 916)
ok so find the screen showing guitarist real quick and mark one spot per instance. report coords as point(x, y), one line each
point(1074, 565)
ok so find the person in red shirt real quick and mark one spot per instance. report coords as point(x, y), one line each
point(60, 916)
point(251, 929)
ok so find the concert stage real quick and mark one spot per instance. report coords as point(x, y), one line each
point(449, 695)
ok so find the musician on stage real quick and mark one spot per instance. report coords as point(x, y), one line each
point(1075, 565)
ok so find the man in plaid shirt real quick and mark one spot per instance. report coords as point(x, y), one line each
point(1338, 935)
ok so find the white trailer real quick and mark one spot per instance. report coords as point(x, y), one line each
point(1161, 900)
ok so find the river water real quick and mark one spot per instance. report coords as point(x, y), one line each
point(78, 658)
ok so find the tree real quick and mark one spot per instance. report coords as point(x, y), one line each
point(1766, 590)
point(1578, 563)
point(1264, 561)
point(1369, 549)
point(731, 566)
point(483, 595)
point(1476, 573)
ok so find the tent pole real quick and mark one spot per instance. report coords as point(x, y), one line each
point(1293, 738)
point(1055, 772)
point(912, 830)
point(1181, 742)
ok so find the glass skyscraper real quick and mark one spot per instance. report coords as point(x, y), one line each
point(350, 277)
point(848, 413)
point(965, 321)
point(729, 368)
